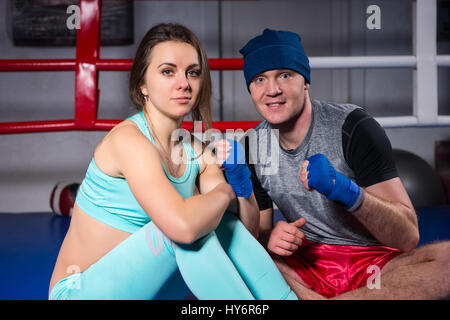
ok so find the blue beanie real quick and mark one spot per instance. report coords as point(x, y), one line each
point(275, 50)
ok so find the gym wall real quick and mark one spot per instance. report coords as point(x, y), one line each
point(31, 164)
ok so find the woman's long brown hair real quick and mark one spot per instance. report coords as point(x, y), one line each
point(172, 32)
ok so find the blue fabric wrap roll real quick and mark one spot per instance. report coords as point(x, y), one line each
point(236, 170)
point(332, 184)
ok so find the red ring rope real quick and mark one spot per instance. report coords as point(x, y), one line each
point(86, 65)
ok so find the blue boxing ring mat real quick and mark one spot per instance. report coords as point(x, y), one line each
point(29, 246)
point(30, 242)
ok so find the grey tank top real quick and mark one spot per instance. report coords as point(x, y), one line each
point(278, 171)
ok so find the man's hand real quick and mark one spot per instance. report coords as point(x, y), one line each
point(318, 173)
point(304, 175)
point(285, 238)
point(231, 157)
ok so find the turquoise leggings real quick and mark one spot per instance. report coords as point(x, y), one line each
point(227, 264)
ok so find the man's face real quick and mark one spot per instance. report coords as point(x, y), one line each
point(279, 95)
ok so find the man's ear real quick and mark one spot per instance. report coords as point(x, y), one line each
point(306, 86)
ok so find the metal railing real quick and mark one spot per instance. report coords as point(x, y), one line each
point(88, 63)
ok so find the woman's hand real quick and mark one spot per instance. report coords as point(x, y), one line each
point(226, 189)
point(222, 147)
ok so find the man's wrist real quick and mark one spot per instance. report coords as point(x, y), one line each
point(240, 180)
point(244, 189)
point(263, 237)
point(358, 202)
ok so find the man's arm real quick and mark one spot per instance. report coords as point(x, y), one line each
point(265, 226)
point(386, 210)
point(249, 214)
point(231, 158)
point(248, 208)
point(377, 197)
point(388, 214)
point(283, 239)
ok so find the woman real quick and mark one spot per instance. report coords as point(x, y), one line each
point(136, 220)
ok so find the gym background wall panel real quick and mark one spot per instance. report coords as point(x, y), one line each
point(32, 163)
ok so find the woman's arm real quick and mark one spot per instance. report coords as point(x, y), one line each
point(182, 220)
point(248, 207)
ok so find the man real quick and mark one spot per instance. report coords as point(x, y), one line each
point(350, 229)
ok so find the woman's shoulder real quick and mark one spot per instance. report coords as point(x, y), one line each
point(125, 132)
point(125, 138)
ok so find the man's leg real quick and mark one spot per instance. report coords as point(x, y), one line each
point(423, 273)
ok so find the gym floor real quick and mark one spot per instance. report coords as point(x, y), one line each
point(30, 242)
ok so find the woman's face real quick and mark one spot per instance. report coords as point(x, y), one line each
point(173, 79)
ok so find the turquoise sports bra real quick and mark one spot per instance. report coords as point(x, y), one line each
point(110, 200)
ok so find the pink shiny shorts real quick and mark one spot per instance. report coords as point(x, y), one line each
point(331, 270)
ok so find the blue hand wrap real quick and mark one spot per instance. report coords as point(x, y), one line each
point(335, 186)
point(237, 171)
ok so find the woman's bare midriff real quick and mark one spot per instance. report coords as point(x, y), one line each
point(86, 241)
